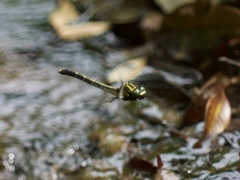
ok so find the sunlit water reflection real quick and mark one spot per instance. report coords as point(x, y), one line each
point(43, 115)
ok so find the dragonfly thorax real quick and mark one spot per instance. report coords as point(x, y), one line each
point(131, 91)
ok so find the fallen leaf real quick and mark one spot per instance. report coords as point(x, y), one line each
point(64, 14)
point(151, 22)
point(169, 6)
point(127, 70)
point(142, 165)
point(145, 166)
point(159, 162)
point(196, 109)
point(62, 19)
point(217, 115)
point(203, 15)
point(81, 31)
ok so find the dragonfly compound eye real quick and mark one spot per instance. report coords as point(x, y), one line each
point(141, 93)
point(136, 92)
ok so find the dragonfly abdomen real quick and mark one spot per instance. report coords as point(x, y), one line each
point(110, 89)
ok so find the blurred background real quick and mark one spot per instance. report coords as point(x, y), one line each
point(56, 127)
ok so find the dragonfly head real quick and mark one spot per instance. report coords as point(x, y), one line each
point(140, 93)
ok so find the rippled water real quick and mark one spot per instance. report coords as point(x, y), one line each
point(43, 115)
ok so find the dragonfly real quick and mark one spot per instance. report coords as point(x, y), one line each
point(127, 91)
point(135, 89)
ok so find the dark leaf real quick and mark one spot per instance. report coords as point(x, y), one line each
point(142, 165)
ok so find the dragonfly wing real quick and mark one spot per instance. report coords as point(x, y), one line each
point(168, 80)
point(152, 81)
point(182, 78)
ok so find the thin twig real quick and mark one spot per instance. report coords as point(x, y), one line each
point(229, 61)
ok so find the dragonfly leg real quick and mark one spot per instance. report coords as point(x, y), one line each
point(120, 95)
point(111, 100)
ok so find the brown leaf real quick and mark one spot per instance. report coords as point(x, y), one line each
point(65, 14)
point(217, 115)
point(81, 31)
point(151, 22)
point(159, 162)
point(142, 165)
point(170, 6)
point(196, 109)
point(127, 70)
point(203, 15)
